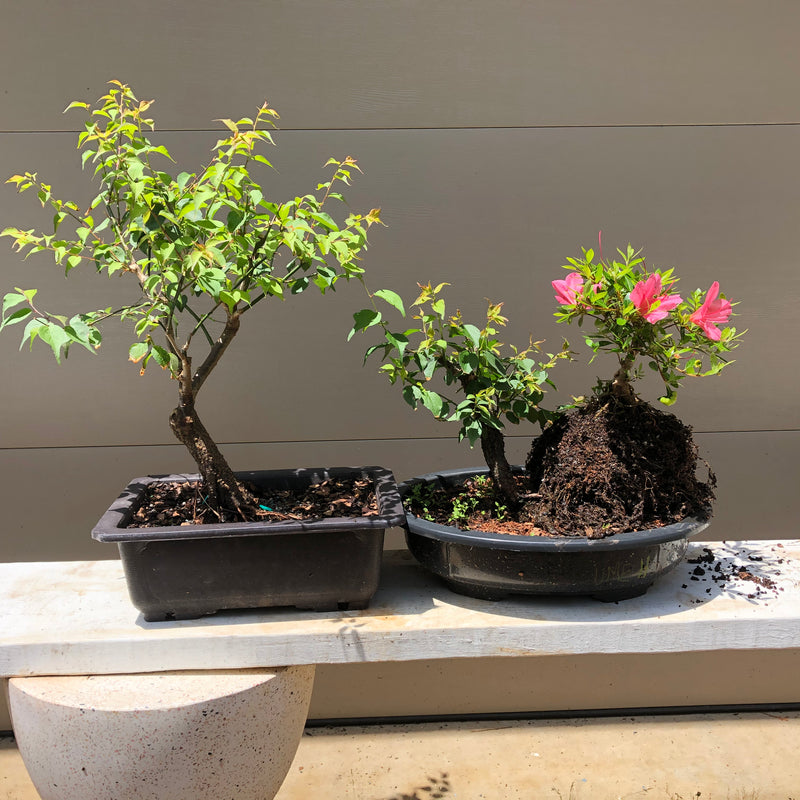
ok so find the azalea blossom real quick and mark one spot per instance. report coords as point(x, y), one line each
point(714, 309)
point(567, 290)
point(650, 302)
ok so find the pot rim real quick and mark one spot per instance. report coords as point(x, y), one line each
point(110, 526)
point(503, 541)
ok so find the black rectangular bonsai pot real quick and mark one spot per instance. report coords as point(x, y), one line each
point(188, 571)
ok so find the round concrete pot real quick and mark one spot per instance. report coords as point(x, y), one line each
point(491, 566)
point(167, 736)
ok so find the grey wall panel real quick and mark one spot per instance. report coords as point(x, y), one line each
point(51, 498)
point(409, 63)
point(496, 213)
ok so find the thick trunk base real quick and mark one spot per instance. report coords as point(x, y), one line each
point(494, 452)
point(220, 486)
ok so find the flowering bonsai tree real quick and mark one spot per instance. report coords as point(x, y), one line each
point(616, 463)
point(639, 317)
point(203, 250)
point(481, 384)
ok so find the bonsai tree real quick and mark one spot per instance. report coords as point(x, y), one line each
point(203, 250)
point(637, 317)
point(483, 385)
point(613, 463)
point(616, 463)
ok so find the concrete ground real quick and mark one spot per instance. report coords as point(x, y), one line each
point(753, 756)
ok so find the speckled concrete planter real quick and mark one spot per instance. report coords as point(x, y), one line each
point(170, 736)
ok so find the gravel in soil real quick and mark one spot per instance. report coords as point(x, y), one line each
point(182, 503)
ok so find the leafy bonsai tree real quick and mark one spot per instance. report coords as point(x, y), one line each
point(482, 386)
point(202, 248)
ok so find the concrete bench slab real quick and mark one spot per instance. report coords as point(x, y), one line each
point(74, 618)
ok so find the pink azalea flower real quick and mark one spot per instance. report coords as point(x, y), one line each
point(649, 301)
point(567, 290)
point(714, 309)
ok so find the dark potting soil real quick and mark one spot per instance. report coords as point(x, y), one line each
point(615, 466)
point(605, 468)
point(182, 503)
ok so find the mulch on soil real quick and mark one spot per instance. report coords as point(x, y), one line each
point(182, 503)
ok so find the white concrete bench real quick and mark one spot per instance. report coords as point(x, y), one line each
point(74, 619)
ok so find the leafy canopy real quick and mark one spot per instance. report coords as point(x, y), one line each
point(495, 384)
point(204, 247)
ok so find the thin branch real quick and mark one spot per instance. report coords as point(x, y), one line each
point(214, 355)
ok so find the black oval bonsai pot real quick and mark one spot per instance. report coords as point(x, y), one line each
point(189, 571)
point(493, 565)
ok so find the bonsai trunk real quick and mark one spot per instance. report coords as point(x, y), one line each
point(621, 387)
point(220, 486)
point(494, 452)
point(219, 483)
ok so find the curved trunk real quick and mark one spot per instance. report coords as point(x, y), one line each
point(494, 452)
point(219, 482)
point(621, 386)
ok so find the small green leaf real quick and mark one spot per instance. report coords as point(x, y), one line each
point(55, 336)
point(473, 334)
point(364, 319)
point(165, 359)
point(138, 351)
point(433, 402)
point(17, 316)
point(325, 220)
point(392, 298)
point(410, 394)
point(469, 362)
point(398, 340)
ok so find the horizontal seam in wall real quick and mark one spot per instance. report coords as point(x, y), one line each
point(336, 441)
point(609, 126)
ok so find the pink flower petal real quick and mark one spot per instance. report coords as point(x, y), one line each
point(714, 309)
point(567, 290)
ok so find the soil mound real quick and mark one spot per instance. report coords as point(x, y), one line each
point(614, 466)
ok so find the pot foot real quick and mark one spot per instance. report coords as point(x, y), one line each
point(478, 592)
point(616, 595)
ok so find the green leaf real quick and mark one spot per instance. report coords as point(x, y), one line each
point(364, 319)
point(325, 220)
point(165, 359)
point(55, 336)
point(410, 395)
point(433, 402)
point(392, 298)
point(473, 334)
point(138, 351)
point(17, 316)
point(398, 340)
point(469, 362)
point(10, 300)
